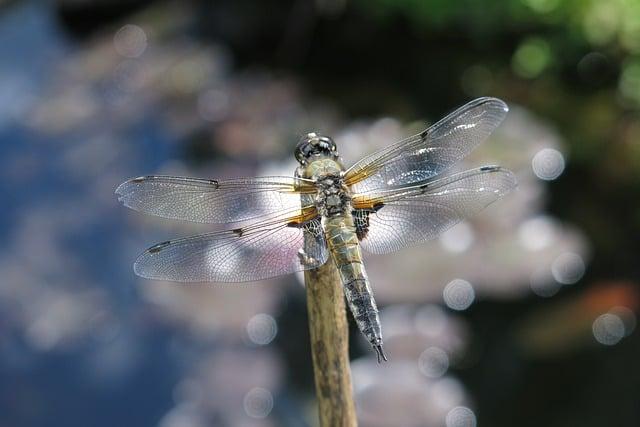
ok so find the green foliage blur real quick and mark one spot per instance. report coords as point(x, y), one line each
point(573, 62)
point(577, 62)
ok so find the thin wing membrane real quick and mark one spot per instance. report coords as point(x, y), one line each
point(245, 254)
point(409, 215)
point(432, 151)
point(214, 201)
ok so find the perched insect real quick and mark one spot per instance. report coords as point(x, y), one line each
point(386, 201)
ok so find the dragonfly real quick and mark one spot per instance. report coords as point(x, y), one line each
point(394, 198)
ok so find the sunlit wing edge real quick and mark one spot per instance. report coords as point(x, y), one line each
point(369, 166)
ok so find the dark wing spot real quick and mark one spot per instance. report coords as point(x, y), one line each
point(489, 168)
point(215, 183)
point(157, 248)
point(238, 232)
point(294, 224)
point(361, 217)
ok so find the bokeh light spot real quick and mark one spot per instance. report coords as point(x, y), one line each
point(130, 41)
point(258, 402)
point(531, 58)
point(460, 416)
point(608, 329)
point(262, 329)
point(458, 294)
point(543, 284)
point(601, 22)
point(433, 362)
point(548, 164)
point(568, 268)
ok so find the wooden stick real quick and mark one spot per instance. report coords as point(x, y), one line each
point(330, 346)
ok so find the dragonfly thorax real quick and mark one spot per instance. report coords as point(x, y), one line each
point(333, 197)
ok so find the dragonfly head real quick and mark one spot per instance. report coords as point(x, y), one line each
point(314, 145)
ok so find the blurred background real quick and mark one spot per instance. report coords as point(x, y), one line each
point(524, 315)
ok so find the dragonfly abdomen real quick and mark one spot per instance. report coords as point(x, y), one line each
point(345, 250)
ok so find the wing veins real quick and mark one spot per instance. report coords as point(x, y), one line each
point(430, 152)
point(414, 213)
point(213, 201)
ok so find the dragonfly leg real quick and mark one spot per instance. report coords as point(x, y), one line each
point(306, 260)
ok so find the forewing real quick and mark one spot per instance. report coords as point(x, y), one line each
point(214, 201)
point(257, 252)
point(406, 216)
point(430, 152)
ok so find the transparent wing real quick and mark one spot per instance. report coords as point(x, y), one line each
point(214, 201)
point(430, 152)
point(402, 217)
point(256, 252)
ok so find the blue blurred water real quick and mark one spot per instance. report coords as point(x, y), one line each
point(125, 376)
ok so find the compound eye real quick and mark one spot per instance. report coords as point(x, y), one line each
point(301, 153)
